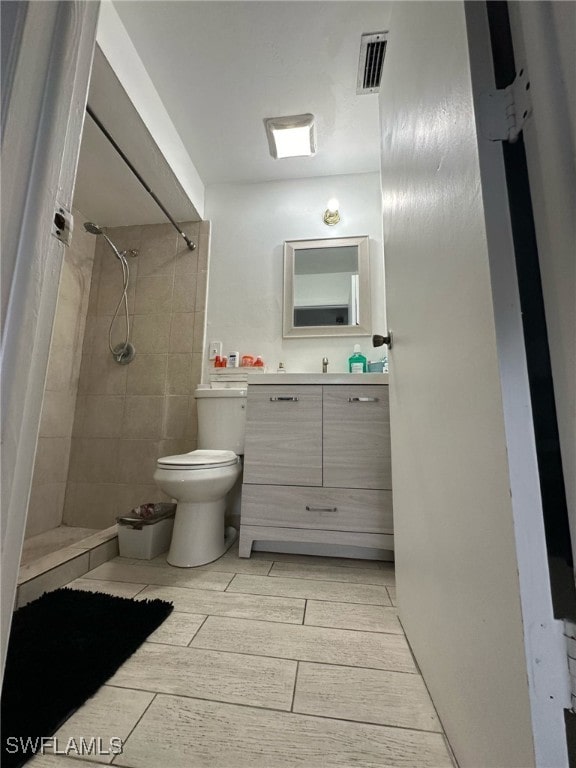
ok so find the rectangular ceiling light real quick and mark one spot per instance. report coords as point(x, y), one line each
point(292, 136)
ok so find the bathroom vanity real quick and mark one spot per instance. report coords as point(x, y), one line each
point(317, 461)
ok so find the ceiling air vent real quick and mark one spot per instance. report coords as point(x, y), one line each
point(372, 50)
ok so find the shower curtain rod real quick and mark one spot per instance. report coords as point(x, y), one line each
point(90, 111)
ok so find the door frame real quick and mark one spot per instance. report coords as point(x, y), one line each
point(43, 106)
point(544, 640)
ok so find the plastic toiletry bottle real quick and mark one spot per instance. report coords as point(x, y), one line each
point(281, 368)
point(233, 359)
point(357, 361)
point(258, 363)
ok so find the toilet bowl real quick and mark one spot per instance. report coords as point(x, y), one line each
point(199, 481)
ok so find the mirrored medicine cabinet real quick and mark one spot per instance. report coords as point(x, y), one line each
point(327, 287)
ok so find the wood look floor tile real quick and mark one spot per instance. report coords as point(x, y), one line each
point(253, 680)
point(312, 589)
point(306, 643)
point(58, 761)
point(392, 594)
point(110, 712)
point(241, 606)
point(181, 733)
point(173, 577)
point(368, 618)
point(118, 588)
point(365, 695)
point(177, 629)
point(333, 573)
point(228, 563)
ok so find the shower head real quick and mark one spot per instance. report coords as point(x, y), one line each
point(94, 229)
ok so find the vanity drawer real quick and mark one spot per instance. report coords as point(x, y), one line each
point(335, 509)
point(284, 435)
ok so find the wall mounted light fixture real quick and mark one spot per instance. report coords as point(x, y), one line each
point(292, 136)
point(331, 214)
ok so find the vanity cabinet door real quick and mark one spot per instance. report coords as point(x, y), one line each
point(284, 435)
point(356, 437)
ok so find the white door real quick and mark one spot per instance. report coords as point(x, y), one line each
point(44, 90)
point(471, 563)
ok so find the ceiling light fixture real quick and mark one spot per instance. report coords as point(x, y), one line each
point(331, 214)
point(292, 136)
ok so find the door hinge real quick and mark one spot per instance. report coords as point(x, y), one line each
point(570, 635)
point(505, 111)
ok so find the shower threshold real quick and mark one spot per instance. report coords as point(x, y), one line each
point(53, 569)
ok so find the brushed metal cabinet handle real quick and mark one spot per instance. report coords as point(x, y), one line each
point(363, 399)
point(284, 399)
point(321, 509)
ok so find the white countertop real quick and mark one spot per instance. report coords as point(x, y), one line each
point(318, 378)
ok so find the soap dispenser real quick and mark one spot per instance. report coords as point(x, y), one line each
point(357, 361)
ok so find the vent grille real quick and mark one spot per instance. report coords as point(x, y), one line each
point(372, 52)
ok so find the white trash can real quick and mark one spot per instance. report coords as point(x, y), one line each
point(146, 532)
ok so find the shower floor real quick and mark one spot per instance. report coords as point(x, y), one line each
point(51, 541)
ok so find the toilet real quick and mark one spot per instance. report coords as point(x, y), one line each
point(200, 480)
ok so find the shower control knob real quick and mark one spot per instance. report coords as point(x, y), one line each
point(378, 341)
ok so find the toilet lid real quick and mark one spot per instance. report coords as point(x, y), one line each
point(199, 459)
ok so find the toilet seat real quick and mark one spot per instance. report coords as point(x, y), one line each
point(200, 459)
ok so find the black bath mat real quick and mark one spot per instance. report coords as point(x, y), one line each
point(62, 648)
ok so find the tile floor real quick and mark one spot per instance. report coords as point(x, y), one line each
point(279, 661)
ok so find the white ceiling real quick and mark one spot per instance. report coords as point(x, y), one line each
point(221, 68)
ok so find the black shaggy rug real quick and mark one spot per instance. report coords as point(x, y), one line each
point(63, 647)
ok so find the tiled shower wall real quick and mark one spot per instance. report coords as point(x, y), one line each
point(53, 451)
point(129, 415)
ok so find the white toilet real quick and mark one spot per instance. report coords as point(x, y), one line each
point(200, 480)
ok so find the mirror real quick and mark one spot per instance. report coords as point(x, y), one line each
point(327, 287)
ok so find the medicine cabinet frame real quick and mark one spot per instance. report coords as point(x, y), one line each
point(364, 325)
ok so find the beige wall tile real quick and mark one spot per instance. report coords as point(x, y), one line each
point(153, 294)
point(203, 251)
point(192, 423)
point(146, 375)
point(199, 321)
point(106, 376)
point(182, 332)
point(91, 504)
point(204, 227)
point(196, 369)
point(57, 414)
point(60, 376)
point(94, 460)
point(179, 375)
point(84, 377)
point(158, 250)
point(176, 413)
point(131, 495)
point(137, 460)
point(176, 446)
point(45, 507)
point(201, 287)
point(102, 415)
point(143, 416)
point(151, 333)
point(51, 463)
point(185, 287)
point(110, 291)
point(125, 238)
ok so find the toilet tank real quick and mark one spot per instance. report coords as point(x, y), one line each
point(221, 418)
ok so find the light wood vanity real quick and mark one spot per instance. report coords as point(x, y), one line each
point(317, 461)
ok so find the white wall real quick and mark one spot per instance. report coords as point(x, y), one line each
point(250, 223)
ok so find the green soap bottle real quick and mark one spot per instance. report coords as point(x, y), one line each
point(357, 361)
